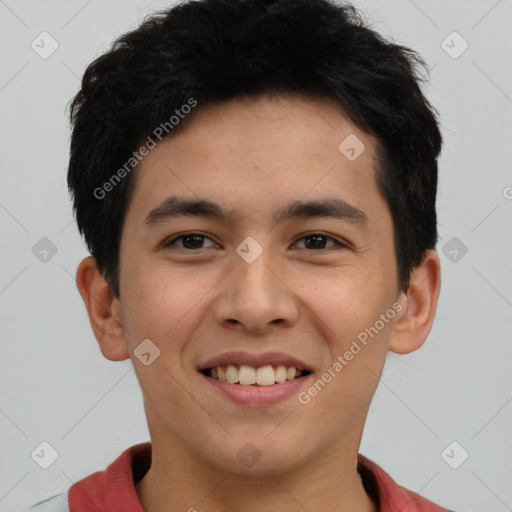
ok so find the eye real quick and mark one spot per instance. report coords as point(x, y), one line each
point(195, 241)
point(317, 241)
point(190, 241)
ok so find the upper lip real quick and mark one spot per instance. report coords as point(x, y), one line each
point(239, 357)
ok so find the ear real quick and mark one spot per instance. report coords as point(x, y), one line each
point(414, 321)
point(104, 310)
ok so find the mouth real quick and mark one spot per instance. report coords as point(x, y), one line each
point(255, 380)
point(245, 375)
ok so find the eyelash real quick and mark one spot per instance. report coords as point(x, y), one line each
point(171, 242)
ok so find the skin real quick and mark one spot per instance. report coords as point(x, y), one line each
point(253, 156)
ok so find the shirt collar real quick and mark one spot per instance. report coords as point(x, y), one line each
point(114, 488)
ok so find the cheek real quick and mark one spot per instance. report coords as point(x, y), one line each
point(154, 305)
point(356, 310)
point(352, 296)
point(357, 346)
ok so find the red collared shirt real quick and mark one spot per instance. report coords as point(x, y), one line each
point(113, 490)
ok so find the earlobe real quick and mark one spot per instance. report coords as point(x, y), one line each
point(419, 304)
point(104, 310)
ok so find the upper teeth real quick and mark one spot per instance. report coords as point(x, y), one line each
point(247, 375)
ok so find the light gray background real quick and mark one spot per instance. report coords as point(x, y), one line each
point(57, 387)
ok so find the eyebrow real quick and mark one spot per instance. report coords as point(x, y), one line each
point(336, 208)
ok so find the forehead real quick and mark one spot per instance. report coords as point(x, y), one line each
point(252, 153)
point(287, 122)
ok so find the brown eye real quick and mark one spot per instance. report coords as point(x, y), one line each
point(318, 241)
point(189, 241)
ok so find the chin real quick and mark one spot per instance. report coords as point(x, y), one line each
point(258, 457)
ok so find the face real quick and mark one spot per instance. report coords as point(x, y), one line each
point(258, 277)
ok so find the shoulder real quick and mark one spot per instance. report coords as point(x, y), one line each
point(55, 503)
point(388, 494)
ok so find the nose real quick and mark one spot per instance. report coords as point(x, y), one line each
point(256, 296)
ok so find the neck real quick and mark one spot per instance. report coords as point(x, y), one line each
point(178, 481)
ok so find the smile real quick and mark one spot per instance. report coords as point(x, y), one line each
point(246, 375)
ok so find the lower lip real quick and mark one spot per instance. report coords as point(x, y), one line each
point(258, 396)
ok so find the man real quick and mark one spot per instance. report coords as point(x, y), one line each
point(256, 183)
